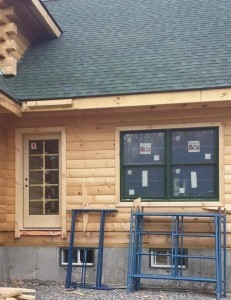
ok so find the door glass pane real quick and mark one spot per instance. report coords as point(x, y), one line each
point(52, 192)
point(36, 192)
point(35, 147)
point(143, 147)
point(43, 183)
point(52, 162)
point(194, 181)
point(51, 207)
point(52, 177)
point(36, 177)
point(36, 162)
point(193, 146)
point(144, 182)
point(51, 146)
point(36, 208)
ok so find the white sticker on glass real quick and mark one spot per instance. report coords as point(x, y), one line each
point(208, 155)
point(129, 139)
point(156, 157)
point(193, 180)
point(182, 190)
point(131, 192)
point(145, 148)
point(178, 138)
point(144, 178)
point(193, 146)
point(177, 171)
point(129, 172)
point(33, 146)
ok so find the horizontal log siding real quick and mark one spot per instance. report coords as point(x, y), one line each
point(91, 160)
point(3, 181)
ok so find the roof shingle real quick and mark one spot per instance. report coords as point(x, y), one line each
point(113, 47)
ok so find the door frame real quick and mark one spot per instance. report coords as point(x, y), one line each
point(19, 176)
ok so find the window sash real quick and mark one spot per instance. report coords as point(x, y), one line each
point(170, 258)
point(77, 254)
point(168, 164)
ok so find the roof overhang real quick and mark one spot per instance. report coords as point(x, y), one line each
point(198, 97)
point(7, 105)
point(39, 10)
point(34, 14)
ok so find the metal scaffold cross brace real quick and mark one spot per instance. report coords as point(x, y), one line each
point(177, 236)
point(99, 268)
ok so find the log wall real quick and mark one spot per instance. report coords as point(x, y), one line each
point(3, 181)
point(91, 160)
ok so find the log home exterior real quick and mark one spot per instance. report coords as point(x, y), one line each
point(70, 119)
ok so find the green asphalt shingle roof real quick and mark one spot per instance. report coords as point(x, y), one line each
point(111, 47)
point(5, 89)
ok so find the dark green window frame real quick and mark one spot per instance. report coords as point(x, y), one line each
point(169, 166)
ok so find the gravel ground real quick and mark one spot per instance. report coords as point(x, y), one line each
point(47, 290)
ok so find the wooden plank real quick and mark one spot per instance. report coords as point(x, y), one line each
point(8, 66)
point(26, 297)
point(47, 20)
point(90, 136)
point(89, 155)
point(86, 203)
point(155, 227)
point(90, 181)
point(98, 172)
point(71, 200)
point(9, 292)
point(92, 190)
point(195, 97)
point(87, 146)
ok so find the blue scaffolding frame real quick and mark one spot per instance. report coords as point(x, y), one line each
point(99, 268)
point(177, 235)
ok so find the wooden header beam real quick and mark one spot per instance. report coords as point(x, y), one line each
point(202, 97)
point(9, 105)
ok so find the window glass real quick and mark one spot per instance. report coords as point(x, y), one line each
point(79, 256)
point(148, 182)
point(194, 180)
point(193, 146)
point(165, 258)
point(143, 148)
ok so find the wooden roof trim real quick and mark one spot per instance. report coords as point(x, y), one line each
point(52, 26)
point(185, 97)
point(10, 105)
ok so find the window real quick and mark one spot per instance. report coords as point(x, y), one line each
point(174, 164)
point(163, 258)
point(79, 256)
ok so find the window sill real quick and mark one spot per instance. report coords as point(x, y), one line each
point(40, 232)
point(203, 204)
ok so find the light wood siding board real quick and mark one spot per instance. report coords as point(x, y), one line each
point(13, 41)
point(3, 180)
point(91, 152)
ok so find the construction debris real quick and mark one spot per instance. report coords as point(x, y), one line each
point(7, 293)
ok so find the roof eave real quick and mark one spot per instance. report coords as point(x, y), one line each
point(10, 104)
point(46, 18)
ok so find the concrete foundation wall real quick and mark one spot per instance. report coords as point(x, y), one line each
point(43, 263)
point(4, 263)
